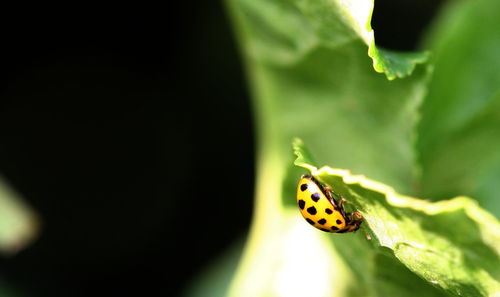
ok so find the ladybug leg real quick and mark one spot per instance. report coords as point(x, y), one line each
point(329, 195)
point(328, 192)
point(357, 215)
point(341, 204)
point(354, 219)
point(332, 195)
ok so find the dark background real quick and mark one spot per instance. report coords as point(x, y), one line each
point(129, 130)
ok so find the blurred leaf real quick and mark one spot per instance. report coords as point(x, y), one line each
point(18, 223)
point(459, 135)
point(282, 32)
point(215, 279)
point(453, 244)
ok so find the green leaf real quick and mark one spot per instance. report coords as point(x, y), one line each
point(282, 32)
point(459, 134)
point(453, 244)
point(18, 223)
point(396, 64)
point(310, 67)
point(311, 77)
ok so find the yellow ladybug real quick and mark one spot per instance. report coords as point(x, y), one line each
point(320, 209)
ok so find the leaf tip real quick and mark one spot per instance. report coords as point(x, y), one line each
point(303, 159)
point(395, 64)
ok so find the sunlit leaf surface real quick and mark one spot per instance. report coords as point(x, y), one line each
point(421, 133)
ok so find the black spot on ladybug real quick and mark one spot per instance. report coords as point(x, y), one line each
point(343, 230)
point(303, 187)
point(338, 222)
point(315, 197)
point(323, 229)
point(322, 221)
point(312, 210)
point(310, 221)
point(328, 211)
point(302, 204)
point(334, 228)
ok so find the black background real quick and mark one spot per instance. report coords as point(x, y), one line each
point(119, 125)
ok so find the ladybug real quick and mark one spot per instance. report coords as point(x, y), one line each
point(320, 209)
